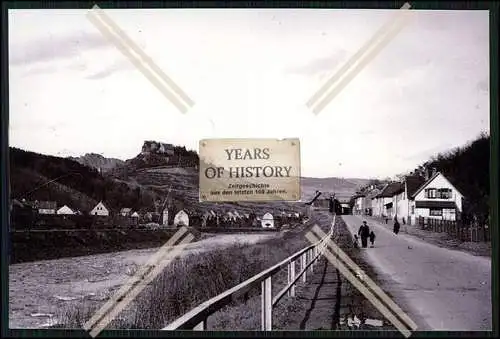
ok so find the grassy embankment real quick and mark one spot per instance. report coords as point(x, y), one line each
point(45, 245)
point(194, 279)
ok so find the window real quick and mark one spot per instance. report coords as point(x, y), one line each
point(413, 210)
point(444, 193)
point(430, 193)
point(435, 212)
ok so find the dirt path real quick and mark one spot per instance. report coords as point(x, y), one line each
point(37, 290)
point(329, 302)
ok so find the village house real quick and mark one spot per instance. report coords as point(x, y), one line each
point(437, 198)
point(382, 202)
point(46, 207)
point(100, 209)
point(430, 195)
point(363, 202)
point(16, 205)
point(65, 210)
point(402, 197)
point(181, 219)
point(125, 212)
point(267, 221)
point(344, 204)
point(358, 204)
point(367, 201)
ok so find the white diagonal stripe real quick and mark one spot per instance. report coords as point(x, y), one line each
point(378, 291)
point(363, 289)
point(138, 288)
point(142, 61)
point(121, 293)
point(380, 35)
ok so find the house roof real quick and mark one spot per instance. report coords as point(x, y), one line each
point(373, 193)
point(413, 183)
point(435, 204)
point(430, 180)
point(47, 205)
point(391, 189)
point(125, 210)
point(100, 202)
point(17, 203)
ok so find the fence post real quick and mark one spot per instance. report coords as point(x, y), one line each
point(291, 278)
point(266, 305)
point(303, 258)
point(309, 252)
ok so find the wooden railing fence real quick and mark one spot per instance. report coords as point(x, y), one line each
point(197, 318)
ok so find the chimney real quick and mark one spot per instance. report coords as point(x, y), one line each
point(434, 171)
point(427, 170)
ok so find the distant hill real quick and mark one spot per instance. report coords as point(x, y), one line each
point(341, 187)
point(97, 161)
point(141, 183)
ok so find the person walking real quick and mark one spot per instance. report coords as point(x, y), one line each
point(364, 233)
point(396, 225)
point(355, 242)
point(372, 238)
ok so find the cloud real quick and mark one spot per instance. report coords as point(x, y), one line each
point(320, 65)
point(49, 49)
point(118, 66)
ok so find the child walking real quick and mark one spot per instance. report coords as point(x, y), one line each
point(372, 238)
point(355, 242)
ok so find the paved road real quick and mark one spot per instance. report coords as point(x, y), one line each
point(448, 290)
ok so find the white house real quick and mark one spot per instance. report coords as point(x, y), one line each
point(135, 215)
point(382, 202)
point(267, 221)
point(125, 212)
point(46, 207)
point(402, 197)
point(230, 216)
point(437, 198)
point(181, 219)
point(358, 204)
point(100, 209)
point(65, 210)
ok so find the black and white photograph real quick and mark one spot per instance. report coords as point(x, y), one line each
point(388, 111)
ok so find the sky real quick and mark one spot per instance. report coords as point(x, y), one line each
point(250, 73)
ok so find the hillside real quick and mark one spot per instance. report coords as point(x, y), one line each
point(35, 176)
point(97, 161)
point(141, 183)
